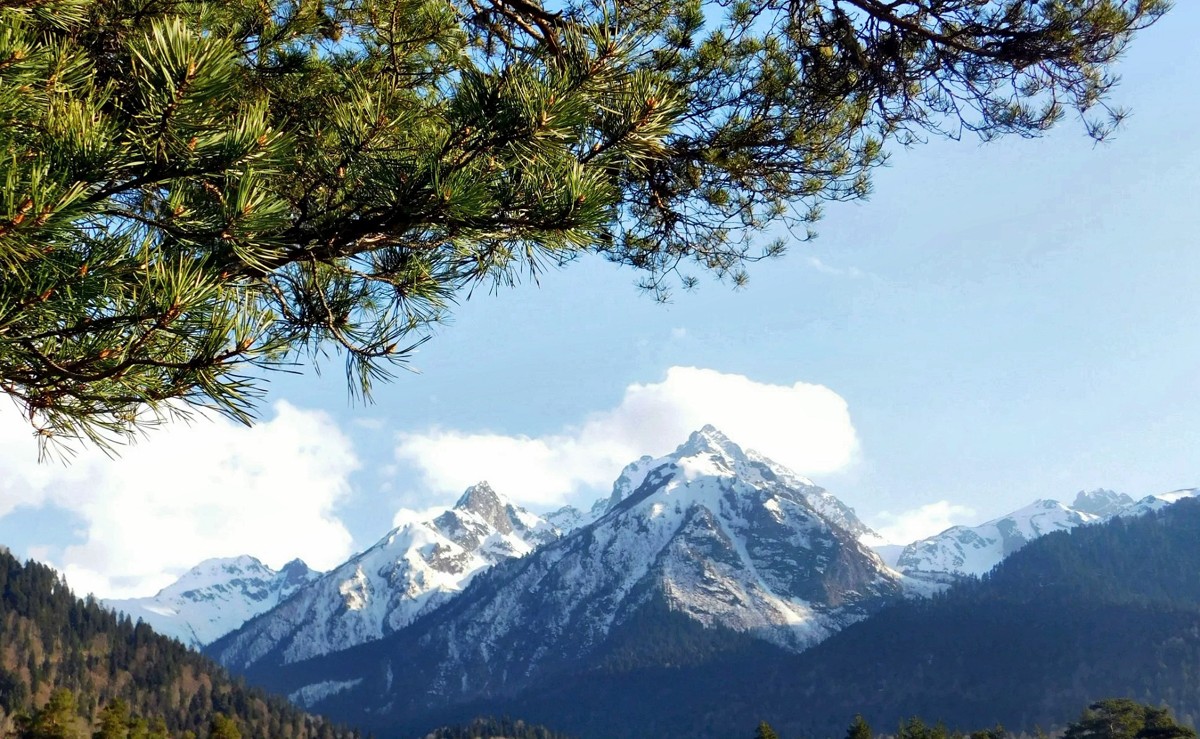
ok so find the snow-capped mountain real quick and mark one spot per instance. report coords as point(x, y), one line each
point(974, 550)
point(1158, 502)
point(717, 543)
point(569, 518)
point(215, 597)
point(415, 568)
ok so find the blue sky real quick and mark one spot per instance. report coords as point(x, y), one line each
point(1003, 322)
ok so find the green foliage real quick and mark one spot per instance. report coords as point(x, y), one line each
point(915, 728)
point(764, 731)
point(1113, 718)
point(224, 727)
point(859, 728)
point(56, 720)
point(1122, 718)
point(1110, 609)
point(72, 669)
point(190, 188)
point(1101, 610)
point(114, 721)
point(492, 727)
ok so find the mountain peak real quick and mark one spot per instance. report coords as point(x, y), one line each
point(296, 571)
point(479, 497)
point(219, 569)
point(242, 560)
point(215, 597)
point(481, 500)
point(296, 565)
point(1101, 502)
point(709, 440)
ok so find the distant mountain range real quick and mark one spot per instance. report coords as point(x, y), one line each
point(707, 541)
point(707, 565)
point(973, 550)
point(410, 572)
point(216, 597)
point(1111, 609)
point(420, 565)
point(1079, 615)
point(51, 641)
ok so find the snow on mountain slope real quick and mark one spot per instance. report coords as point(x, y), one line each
point(974, 550)
point(822, 501)
point(414, 569)
point(831, 509)
point(568, 518)
point(1159, 501)
point(215, 597)
point(720, 538)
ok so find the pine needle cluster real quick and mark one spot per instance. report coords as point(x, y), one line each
point(191, 191)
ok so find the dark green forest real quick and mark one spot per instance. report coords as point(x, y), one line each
point(69, 668)
point(491, 727)
point(1104, 610)
point(1111, 718)
point(1111, 609)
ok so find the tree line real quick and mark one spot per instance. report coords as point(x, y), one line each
point(1111, 718)
point(63, 657)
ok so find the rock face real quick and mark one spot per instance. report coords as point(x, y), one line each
point(411, 571)
point(974, 550)
point(724, 544)
point(1100, 502)
point(216, 597)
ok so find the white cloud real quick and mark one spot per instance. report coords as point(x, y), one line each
point(187, 492)
point(803, 426)
point(919, 523)
point(412, 515)
point(828, 269)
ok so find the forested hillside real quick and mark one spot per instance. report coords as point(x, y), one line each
point(1074, 617)
point(503, 728)
point(1104, 610)
point(67, 666)
point(1111, 609)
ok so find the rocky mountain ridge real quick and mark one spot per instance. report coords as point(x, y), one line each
point(974, 550)
point(417, 567)
point(216, 597)
point(723, 545)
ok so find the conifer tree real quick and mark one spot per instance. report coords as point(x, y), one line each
point(189, 189)
point(859, 728)
point(114, 721)
point(764, 731)
point(55, 720)
point(224, 727)
point(1122, 718)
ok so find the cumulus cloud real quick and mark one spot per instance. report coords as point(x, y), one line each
point(804, 426)
point(919, 523)
point(190, 491)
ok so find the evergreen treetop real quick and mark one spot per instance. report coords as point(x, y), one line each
point(1123, 718)
point(764, 731)
point(859, 728)
point(189, 189)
